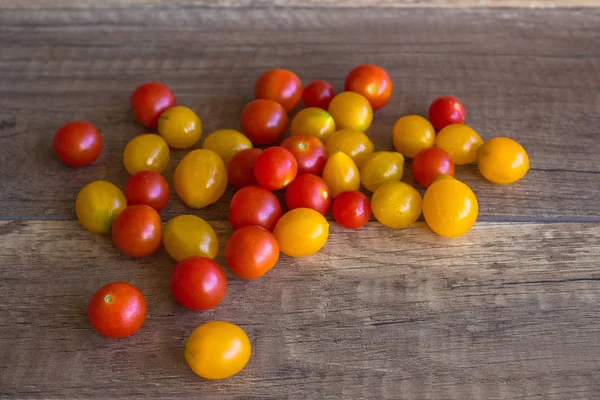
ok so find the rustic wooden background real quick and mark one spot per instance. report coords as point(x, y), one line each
point(510, 310)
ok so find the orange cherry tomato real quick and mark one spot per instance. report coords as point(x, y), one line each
point(251, 252)
point(318, 94)
point(460, 142)
point(308, 191)
point(280, 85)
point(77, 143)
point(98, 204)
point(341, 174)
point(149, 101)
point(148, 152)
point(254, 205)
point(117, 310)
point(450, 207)
point(502, 160)
point(137, 231)
point(381, 167)
point(301, 232)
point(314, 122)
point(355, 144)
point(275, 168)
point(430, 163)
point(240, 170)
point(180, 127)
point(200, 178)
point(198, 283)
point(371, 81)
point(226, 143)
point(396, 204)
point(351, 110)
point(263, 121)
point(310, 153)
point(188, 236)
point(147, 187)
point(411, 134)
point(446, 110)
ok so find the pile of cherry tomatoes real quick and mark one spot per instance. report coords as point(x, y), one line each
point(321, 165)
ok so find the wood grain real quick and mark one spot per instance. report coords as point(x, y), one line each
point(507, 311)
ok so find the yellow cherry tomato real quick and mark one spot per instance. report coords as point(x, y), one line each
point(502, 160)
point(301, 232)
point(226, 143)
point(351, 110)
point(188, 236)
point(460, 142)
point(450, 207)
point(217, 350)
point(313, 121)
point(411, 134)
point(180, 127)
point(200, 178)
point(396, 204)
point(381, 167)
point(341, 174)
point(148, 152)
point(354, 143)
point(98, 204)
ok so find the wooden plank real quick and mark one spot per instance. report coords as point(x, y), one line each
point(507, 311)
point(527, 74)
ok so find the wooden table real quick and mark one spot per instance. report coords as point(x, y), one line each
point(510, 310)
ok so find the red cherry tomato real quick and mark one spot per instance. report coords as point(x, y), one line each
point(147, 187)
point(308, 191)
point(371, 81)
point(137, 231)
point(280, 85)
point(254, 205)
point(318, 94)
point(198, 283)
point(251, 251)
point(264, 121)
point(446, 110)
point(117, 310)
point(149, 101)
point(275, 168)
point(77, 143)
point(351, 209)
point(240, 169)
point(430, 163)
point(309, 151)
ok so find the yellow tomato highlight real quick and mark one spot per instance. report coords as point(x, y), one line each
point(226, 143)
point(411, 134)
point(450, 207)
point(396, 204)
point(502, 160)
point(460, 142)
point(200, 178)
point(180, 127)
point(147, 152)
point(301, 232)
point(341, 174)
point(188, 236)
point(354, 143)
point(313, 121)
point(98, 204)
point(381, 167)
point(351, 110)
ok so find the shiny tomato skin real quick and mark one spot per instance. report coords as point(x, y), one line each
point(149, 101)
point(240, 170)
point(318, 94)
point(275, 168)
point(251, 252)
point(371, 81)
point(446, 110)
point(310, 153)
point(117, 310)
point(351, 209)
point(263, 121)
point(147, 187)
point(77, 143)
point(254, 205)
point(430, 163)
point(308, 191)
point(137, 231)
point(198, 283)
point(280, 85)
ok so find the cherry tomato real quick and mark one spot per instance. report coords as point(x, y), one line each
point(318, 94)
point(301, 232)
point(275, 168)
point(240, 169)
point(351, 110)
point(217, 350)
point(254, 205)
point(226, 143)
point(351, 210)
point(310, 153)
point(280, 85)
point(137, 231)
point(431, 163)
point(446, 110)
point(341, 174)
point(381, 167)
point(117, 310)
point(411, 134)
point(354, 143)
point(180, 127)
point(251, 251)
point(149, 101)
point(460, 142)
point(396, 204)
point(308, 191)
point(77, 143)
point(314, 122)
point(148, 152)
point(198, 283)
point(190, 236)
point(502, 160)
point(98, 204)
point(264, 121)
point(371, 81)
point(450, 207)
point(200, 178)
point(147, 187)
